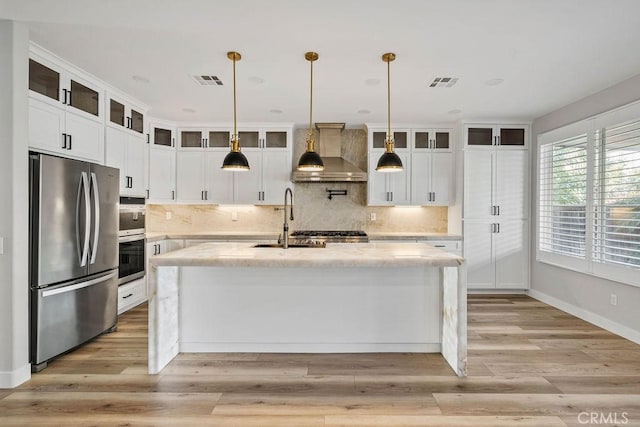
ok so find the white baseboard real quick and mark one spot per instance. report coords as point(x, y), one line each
point(497, 291)
point(310, 347)
point(11, 379)
point(596, 319)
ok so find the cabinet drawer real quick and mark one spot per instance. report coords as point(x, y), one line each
point(131, 294)
point(453, 246)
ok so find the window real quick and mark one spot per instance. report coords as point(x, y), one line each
point(616, 207)
point(589, 196)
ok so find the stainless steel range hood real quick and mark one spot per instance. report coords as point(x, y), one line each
point(336, 168)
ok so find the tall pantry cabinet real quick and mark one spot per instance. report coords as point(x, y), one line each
point(496, 206)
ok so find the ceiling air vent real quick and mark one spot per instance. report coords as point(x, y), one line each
point(444, 82)
point(208, 80)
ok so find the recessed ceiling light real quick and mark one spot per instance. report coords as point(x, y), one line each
point(188, 110)
point(275, 111)
point(494, 82)
point(257, 80)
point(372, 82)
point(364, 111)
point(456, 111)
point(140, 79)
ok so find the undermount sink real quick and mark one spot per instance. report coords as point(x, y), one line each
point(292, 245)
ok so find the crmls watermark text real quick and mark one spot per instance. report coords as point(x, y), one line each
point(619, 418)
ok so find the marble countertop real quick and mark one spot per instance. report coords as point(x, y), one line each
point(403, 235)
point(260, 235)
point(243, 254)
point(218, 235)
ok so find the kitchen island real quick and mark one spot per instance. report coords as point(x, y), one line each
point(345, 298)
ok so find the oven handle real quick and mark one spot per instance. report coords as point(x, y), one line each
point(125, 239)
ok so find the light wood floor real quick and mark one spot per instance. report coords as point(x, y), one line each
point(530, 365)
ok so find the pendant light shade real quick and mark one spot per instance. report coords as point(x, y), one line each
point(389, 161)
point(235, 160)
point(310, 160)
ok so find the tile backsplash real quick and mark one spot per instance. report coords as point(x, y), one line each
point(312, 208)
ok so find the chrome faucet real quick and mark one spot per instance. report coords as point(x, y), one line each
point(285, 228)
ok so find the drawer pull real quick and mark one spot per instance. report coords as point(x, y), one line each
point(127, 296)
point(438, 246)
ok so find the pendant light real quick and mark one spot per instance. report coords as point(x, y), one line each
point(235, 161)
point(310, 160)
point(389, 161)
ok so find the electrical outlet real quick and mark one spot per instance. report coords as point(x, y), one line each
point(614, 299)
point(234, 216)
point(1, 245)
point(167, 215)
point(372, 216)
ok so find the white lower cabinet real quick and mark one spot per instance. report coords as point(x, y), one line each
point(496, 254)
point(131, 294)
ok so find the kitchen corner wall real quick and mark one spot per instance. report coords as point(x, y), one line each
point(312, 208)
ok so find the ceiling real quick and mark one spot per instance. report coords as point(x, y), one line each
point(548, 53)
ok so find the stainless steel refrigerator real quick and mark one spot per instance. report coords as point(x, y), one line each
point(73, 251)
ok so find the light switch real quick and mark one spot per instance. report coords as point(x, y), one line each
point(372, 216)
point(1, 245)
point(167, 215)
point(234, 216)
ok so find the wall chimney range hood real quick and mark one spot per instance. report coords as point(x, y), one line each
point(336, 168)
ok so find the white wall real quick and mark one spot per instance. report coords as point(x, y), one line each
point(580, 294)
point(14, 332)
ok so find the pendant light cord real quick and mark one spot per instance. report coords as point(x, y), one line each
point(388, 100)
point(235, 130)
point(311, 102)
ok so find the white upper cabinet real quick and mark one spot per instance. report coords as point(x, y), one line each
point(127, 152)
point(65, 110)
point(432, 167)
point(505, 136)
point(126, 145)
point(268, 151)
point(388, 188)
point(161, 162)
point(123, 113)
point(427, 158)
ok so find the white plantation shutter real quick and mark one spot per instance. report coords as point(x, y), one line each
point(616, 200)
point(563, 183)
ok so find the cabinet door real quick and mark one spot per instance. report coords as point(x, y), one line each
point(115, 154)
point(276, 139)
point(441, 178)
point(248, 184)
point(511, 183)
point(421, 172)
point(83, 98)
point(219, 182)
point(191, 139)
point(136, 165)
point(190, 173)
point(162, 174)
point(377, 191)
point(511, 254)
point(162, 137)
point(480, 136)
point(400, 182)
point(400, 139)
point(512, 136)
point(478, 252)
point(276, 176)
point(478, 183)
point(86, 137)
point(46, 126)
point(44, 81)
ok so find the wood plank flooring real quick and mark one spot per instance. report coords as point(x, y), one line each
point(529, 365)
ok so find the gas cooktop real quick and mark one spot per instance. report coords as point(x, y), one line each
point(336, 236)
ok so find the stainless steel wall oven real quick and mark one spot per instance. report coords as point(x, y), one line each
point(131, 239)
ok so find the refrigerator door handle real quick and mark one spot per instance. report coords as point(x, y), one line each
point(84, 184)
point(65, 289)
point(96, 228)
